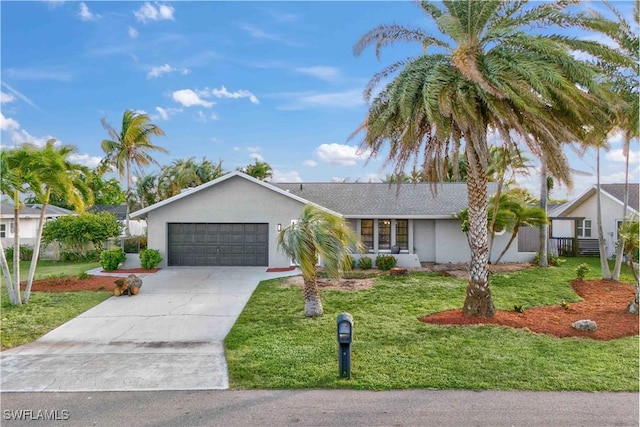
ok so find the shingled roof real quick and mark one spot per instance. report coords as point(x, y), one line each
point(358, 200)
point(617, 191)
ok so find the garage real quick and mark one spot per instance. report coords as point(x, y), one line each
point(218, 244)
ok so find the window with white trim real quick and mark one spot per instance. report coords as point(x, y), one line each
point(402, 234)
point(384, 234)
point(3, 230)
point(366, 233)
point(584, 228)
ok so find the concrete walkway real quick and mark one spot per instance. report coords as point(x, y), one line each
point(168, 337)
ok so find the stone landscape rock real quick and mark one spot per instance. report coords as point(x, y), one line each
point(585, 325)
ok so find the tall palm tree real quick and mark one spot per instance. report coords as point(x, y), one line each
point(490, 69)
point(129, 148)
point(46, 171)
point(626, 84)
point(318, 234)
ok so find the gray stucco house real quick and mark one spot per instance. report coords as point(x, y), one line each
point(234, 221)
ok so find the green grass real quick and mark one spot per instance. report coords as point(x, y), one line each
point(45, 311)
point(273, 345)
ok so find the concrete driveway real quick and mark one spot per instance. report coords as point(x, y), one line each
point(168, 337)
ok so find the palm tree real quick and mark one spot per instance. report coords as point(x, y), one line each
point(130, 147)
point(630, 233)
point(626, 84)
point(490, 70)
point(524, 215)
point(47, 172)
point(183, 174)
point(259, 170)
point(318, 234)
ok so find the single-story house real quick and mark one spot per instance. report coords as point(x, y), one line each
point(29, 217)
point(574, 228)
point(235, 219)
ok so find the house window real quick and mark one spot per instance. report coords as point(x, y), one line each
point(384, 234)
point(584, 228)
point(3, 230)
point(402, 234)
point(618, 226)
point(366, 233)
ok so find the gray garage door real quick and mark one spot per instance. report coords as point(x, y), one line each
point(218, 244)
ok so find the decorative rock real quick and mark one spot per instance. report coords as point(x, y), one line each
point(585, 325)
point(128, 286)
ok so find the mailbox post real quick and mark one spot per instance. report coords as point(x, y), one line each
point(344, 331)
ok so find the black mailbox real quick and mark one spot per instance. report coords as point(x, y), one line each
point(344, 332)
point(345, 328)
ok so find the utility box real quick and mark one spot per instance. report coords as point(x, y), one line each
point(344, 334)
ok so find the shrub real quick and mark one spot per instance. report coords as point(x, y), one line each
point(26, 253)
point(582, 270)
point(518, 308)
point(385, 262)
point(551, 259)
point(150, 258)
point(84, 275)
point(112, 258)
point(365, 263)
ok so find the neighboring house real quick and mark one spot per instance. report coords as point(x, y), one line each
point(136, 227)
point(235, 219)
point(576, 220)
point(29, 217)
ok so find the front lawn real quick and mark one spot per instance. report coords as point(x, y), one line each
point(273, 345)
point(45, 311)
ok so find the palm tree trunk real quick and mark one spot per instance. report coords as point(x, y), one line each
point(7, 275)
point(604, 264)
point(16, 248)
point(620, 248)
point(312, 302)
point(128, 230)
point(544, 229)
point(478, 301)
point(36, 250)
point(514, 233)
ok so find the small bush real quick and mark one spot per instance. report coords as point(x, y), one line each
point(518, 308)
point(565, 305)
point(111, 259)
point(385, 262)
point(365, 263)
point(150, 258)
point(348, 262)
point(582, 270)
point(26, 253)
point(84, 275)
point(551, 259)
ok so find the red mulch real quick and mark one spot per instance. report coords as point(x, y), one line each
point(93, 283)
point(279, 269)
point(605, 302)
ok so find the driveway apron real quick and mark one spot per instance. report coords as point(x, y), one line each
point(168, 337)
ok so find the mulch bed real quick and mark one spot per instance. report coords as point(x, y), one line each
point(605, 302)
point(93, 283)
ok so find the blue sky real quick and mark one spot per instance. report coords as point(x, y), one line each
point(230, 81)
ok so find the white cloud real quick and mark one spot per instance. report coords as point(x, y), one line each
point(149, 12)
point(258, 33)
point(8, 124)
point(304, 100)
point(281, 176)
point(21, 96)
point(133, 33)
point(189, 98)
point(257, 156)
point(310, 163)
point(85, 160)
point(54, 3)
point(224, 93)
point(340, 154)
point(21, 136)
point(165, 69)
point(328, 74)
point(85, 14)
point(165, 113)
point(617, 156)
point(6, 97)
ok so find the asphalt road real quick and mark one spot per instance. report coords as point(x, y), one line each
point(320, 408)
